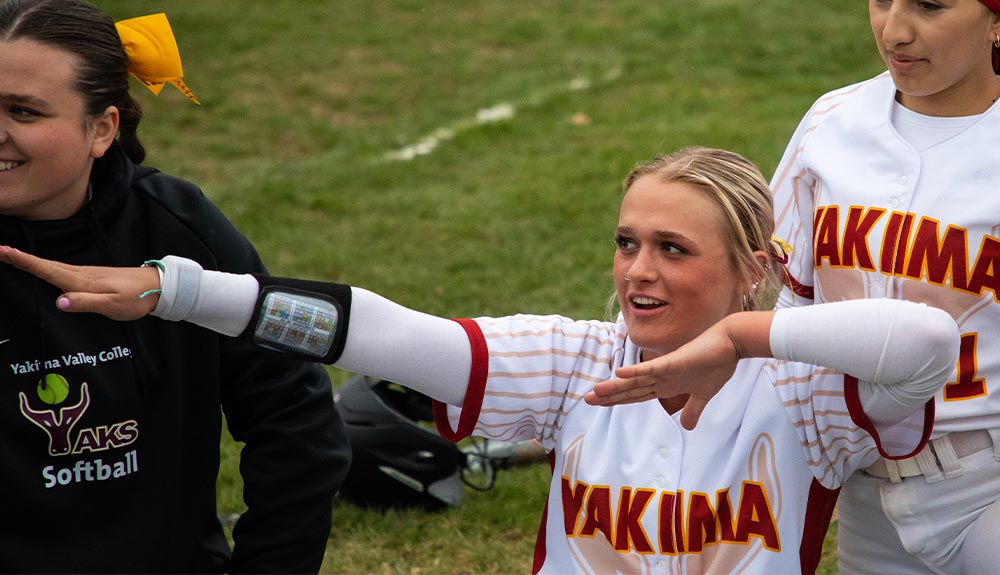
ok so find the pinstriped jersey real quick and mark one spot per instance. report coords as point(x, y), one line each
point(750, 489)
point(868, 216)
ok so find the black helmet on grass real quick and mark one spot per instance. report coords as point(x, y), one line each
point(398, 457)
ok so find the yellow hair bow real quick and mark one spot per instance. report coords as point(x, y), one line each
point(153, 57)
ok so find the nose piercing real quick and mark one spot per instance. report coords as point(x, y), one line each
point(628, 279)
point(3, 137)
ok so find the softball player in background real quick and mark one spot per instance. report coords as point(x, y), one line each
point(636, 487)
point(890, 188)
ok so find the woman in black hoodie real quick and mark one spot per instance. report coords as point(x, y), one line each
point(109, 431)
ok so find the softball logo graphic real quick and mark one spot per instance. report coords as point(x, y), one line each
point(59, 422)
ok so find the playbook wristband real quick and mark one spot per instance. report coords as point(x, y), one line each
point(305, 319)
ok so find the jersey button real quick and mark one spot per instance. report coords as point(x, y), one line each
point(663, 452)
point(902, 180)
point(893, 202)
point(661, 565)
point(659, 480)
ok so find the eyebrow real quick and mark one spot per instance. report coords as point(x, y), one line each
point(23, 99)
point(660, 235)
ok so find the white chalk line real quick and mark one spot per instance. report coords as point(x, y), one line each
point(501, 112)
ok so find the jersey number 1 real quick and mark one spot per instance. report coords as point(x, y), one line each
point(968, 385)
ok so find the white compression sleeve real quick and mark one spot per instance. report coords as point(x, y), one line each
point(900, 351)
point(222, 302)
point(385, 340)
point(423, 352)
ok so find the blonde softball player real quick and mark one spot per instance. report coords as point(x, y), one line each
point(636, 487)
point(890, 188)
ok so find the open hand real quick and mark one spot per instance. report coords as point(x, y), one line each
point(109, 291)
point(697, 369)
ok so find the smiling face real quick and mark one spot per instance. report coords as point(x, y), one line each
point(672, 244)
point(939, 53)
point(48, 142)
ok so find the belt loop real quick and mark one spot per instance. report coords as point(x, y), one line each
point(893, 470)
point(928, 463)
point(995, 436)
point(945, 452)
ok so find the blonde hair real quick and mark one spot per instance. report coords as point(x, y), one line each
point(741, 192)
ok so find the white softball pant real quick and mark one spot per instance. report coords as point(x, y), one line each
point(943, 518)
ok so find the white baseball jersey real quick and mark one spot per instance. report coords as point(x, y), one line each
point(750, 490)
point(868, 215)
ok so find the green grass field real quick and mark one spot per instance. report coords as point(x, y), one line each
point(465, 158)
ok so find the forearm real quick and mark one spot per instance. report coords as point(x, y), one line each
point(908, 347)
point(222, 302)
point(381, 339)
point(750, 332)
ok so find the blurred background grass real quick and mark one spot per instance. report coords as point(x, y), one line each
point(305, 102)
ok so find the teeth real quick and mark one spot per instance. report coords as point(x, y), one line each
point(8, 165)
point(645, 301)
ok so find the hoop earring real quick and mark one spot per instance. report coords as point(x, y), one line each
point(750, 297)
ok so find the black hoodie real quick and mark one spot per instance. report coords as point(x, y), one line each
point(109, 431)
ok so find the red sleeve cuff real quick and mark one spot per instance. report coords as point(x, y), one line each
point(860, 419)
point(473, 403)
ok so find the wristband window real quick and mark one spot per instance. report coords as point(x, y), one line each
point(297, 323)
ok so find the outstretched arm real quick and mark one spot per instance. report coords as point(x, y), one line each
point(429, 354)
point(176, 290)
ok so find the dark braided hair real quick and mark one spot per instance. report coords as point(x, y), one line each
point(82, 29)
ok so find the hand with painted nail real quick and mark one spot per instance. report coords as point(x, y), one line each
point(109, 291)
point(692, 374)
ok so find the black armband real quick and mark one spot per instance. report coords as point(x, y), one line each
point(304, 319)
